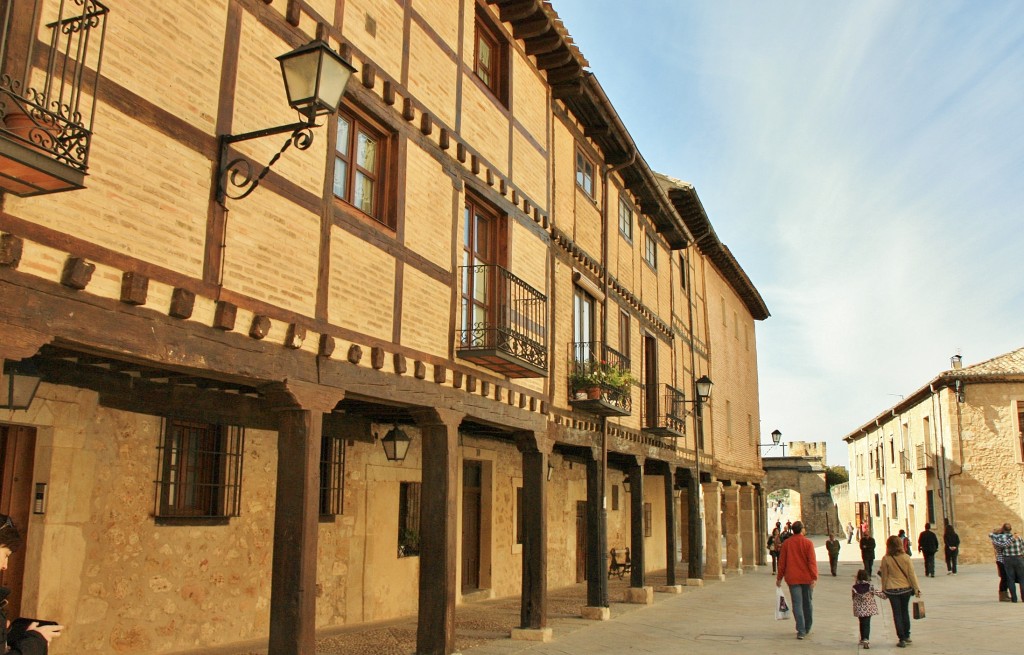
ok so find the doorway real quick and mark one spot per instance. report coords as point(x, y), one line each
point(472, 478)
point(650, 381)
point(17, 455)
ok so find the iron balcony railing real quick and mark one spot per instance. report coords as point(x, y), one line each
point(54, 118)
point(598, 372)
point(512, 335)
point(664, 411)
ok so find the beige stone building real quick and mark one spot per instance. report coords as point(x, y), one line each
point(468, 258)
point(950, 451)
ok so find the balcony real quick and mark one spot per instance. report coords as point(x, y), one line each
point(46, 131)
point(506, 328)
point(925, 460)
point(664, 412)
point(905, 467)
point(599, 380)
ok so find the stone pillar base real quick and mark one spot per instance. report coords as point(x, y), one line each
point(750, 567)
point(719, 576)
point(736, 571)
point(531, 634)
point(670, 589)
point(596, 613)
point(639, 595)
point(695, 582)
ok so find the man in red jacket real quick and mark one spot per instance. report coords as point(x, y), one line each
point(799, 568)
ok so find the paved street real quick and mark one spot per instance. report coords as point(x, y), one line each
point(724, 618)
point(735, 616)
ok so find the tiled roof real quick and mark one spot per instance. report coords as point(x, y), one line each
point(1012, 363)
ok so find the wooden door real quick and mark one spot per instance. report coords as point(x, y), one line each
point(472, 474)
point(581, 541)
point(17, 453)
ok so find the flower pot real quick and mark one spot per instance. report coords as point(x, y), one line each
point(35, 135)
point(594, 393)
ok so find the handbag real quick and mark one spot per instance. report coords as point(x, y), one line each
point(918, 609)
point(781, 607)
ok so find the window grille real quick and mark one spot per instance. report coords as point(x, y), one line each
point(200, 470)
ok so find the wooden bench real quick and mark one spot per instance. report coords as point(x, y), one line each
point(619, 568)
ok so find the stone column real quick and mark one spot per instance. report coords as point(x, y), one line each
point(533, 602)
point(749, 535)
point(733, 541)
point(300, 407)
point(435, 629)
point(697, 530)
point(713, 529)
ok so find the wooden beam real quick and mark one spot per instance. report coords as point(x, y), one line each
point(435, 630)
point(530, 27)
point(597, 535)
point(670, 526)
point(539, 45)
point(533, 602)
point(635, 473)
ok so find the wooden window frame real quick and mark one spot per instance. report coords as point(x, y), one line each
point(332, 475)
point(650, 250)
point(496, 255)
point(583, 177)
point(486, 31)
point(384, 176)
point(625, 219)
point(648, 521)
point(199, 472)
point(682, 270)
point(409, 518)
point(625, 329)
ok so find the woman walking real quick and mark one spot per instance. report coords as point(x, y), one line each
point(951, 540)
point(774, 543)
point(898, 582)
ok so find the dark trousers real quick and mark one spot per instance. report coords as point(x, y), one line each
point(775, 561)
point(1014, 565)
point(929, 563)
point(865, 627)
point(832, 561)
point(1002, 576)
point(951, 560)
point(868, 563)
point(901, 614)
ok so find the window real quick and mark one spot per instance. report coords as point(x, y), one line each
point(490, 56)
point(361, 152)
point(332, 475)
point(648, 531)
point(584, 173)
point(625, 219)
point(615, 497)
point(200, 473)
point(481, 231)
point(624, 345)
point(895, 507)
point(650, 250)
point(892, 450)
point(519, 515)
point(583, 324)
point(1020, 428)
point(409, 519)
point(682, 270)
point(878, 506)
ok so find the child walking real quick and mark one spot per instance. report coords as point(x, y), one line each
point(864, 605)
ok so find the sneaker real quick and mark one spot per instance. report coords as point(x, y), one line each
point(908, 640)
point(902, 644)
point(800, 635)
point(866, 645)
point(949, 573)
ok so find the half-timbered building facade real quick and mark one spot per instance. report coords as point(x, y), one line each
point(413, 363)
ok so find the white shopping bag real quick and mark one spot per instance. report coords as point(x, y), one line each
point(781, 606)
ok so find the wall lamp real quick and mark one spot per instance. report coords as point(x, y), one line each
point(551, 470)
point(396, 444)
point(776, 439)
point(314, 79)
point(19, 382)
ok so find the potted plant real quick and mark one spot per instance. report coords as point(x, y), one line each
point(599, 380)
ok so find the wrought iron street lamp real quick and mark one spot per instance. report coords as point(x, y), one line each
point(396, 444)
point(315, 77)
point(18, 384)
point(776, 439)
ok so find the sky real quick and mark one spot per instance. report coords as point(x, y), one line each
point(864, 161)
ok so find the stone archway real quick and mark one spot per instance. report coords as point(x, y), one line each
point(806, 477)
